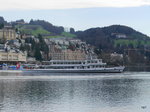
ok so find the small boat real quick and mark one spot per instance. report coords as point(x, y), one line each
point(11, 71)
point(5, 68)
point(74, 66)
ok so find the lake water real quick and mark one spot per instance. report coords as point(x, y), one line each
point(123, 92)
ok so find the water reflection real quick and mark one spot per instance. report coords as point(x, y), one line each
point(90, 95)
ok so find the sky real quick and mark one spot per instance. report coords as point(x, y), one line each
point(81, 14)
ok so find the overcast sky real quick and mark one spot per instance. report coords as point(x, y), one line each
point(63, 4)
point(81, 14)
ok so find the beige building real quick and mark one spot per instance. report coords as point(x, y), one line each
point(7, 33)
point(68, 55)
point(12, 56)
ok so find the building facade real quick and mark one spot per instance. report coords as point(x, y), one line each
point(7, 33)
point(68, 55)
point(12, 56)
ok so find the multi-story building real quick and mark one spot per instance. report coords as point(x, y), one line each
point(7, 33)
point(68, 49)
point(12, 56)
point(68, 55)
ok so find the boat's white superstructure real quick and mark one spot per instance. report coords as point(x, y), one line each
point(75, 66)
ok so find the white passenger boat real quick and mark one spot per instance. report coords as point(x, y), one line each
point(75, 66)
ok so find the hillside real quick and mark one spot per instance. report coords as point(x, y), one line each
point(2, 22)
point(32, 29)
point(113, 36)
point(43, 28)
point(48, 26)
point(119, 39)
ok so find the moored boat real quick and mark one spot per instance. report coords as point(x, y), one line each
point(5, 68)
point(75, 66)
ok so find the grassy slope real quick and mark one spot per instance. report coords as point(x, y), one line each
point(37, 29)
point(32, 29)
point(67, 34)
point(133, 42)
point(63, 34)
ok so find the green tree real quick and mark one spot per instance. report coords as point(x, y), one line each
point(1, 26)
point(22, 47)
point(37, 54)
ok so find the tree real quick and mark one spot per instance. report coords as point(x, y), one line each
point(72, 30)
point(48, 26)
point(22, 47)
point(37, 54)
point(33, 44)
point(40, 38)
point(1, 25)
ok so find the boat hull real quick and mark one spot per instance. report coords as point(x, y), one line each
point(100, 70)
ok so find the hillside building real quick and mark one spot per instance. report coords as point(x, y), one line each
point(7, 33)
point(67, 55)
point(12, 56)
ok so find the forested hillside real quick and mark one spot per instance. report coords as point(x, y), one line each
point(118, 39)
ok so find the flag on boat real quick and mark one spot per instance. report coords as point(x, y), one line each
point(17, 66)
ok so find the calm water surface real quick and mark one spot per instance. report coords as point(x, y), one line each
point(126, 92)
